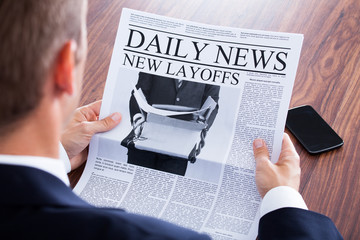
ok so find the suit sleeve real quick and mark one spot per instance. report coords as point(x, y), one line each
point(296, 224)
point(213, 91)
point(144, 82)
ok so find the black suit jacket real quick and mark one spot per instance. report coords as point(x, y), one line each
point(37, 205)
point(297, 224)
point(163, 90)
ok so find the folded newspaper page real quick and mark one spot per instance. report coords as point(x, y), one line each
point(193, 98)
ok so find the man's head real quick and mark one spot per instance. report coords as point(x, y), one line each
point(35, 34)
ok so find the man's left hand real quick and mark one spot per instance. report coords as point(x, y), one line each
point(84, 124)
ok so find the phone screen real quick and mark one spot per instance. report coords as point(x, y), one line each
point(311, 130)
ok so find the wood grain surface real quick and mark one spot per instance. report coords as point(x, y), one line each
point(328, 78)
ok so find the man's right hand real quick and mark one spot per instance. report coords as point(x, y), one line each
point(286, 172)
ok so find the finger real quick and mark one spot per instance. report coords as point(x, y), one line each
point(261, 152)
point(89, 112)
point(105, 124)
point(288, 152)
point(287, 143)
point(95, 107)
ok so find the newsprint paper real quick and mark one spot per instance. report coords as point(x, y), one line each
point(193, 98)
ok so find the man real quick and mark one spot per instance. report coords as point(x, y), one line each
point(42, 53)
point(160, 90)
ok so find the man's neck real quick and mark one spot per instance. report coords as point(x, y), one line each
point(33, 136)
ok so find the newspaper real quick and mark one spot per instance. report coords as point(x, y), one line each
point(203, 174)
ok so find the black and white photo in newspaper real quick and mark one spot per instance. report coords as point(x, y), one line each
point(193, 98)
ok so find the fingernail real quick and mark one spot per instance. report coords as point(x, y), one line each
point(258, 143)
point(115, 116)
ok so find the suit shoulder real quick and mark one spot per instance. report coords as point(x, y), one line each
point(92, 223)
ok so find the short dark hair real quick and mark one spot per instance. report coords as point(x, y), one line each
point(32, 33)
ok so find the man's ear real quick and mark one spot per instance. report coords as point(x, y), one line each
point(64, 74)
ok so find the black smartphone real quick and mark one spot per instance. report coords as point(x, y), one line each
point(311, 130)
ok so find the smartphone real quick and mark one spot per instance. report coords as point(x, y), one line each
point(311, 130)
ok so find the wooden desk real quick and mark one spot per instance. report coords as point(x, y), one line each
point(328, 78)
